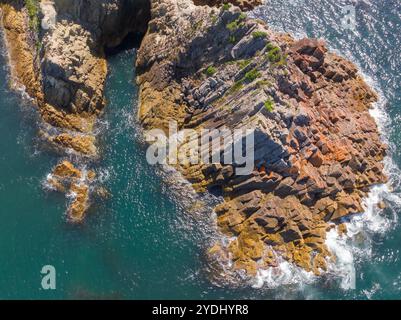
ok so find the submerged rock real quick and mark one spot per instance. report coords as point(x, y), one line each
point(382, 205)
point(75, 183)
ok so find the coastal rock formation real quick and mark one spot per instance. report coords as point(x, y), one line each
point(208, 66)
point(21, 49)
point(62, 66)
point(68, 179)
point(317, 149)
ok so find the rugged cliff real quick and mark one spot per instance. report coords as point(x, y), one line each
point(317, 149)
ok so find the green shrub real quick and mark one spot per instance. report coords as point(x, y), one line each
point(275, 56)
point(282, 61)
point(262, 83)
point(237, 86)
point(252, 75)
point(259, 34)
point(232, 39)
point(32, 6)
point(226, 6)
point(231, 62)
point(270, 46)
point(269, 105)
point(242, 16)
point(244, 63)
point(232, 26)
point(210, 70)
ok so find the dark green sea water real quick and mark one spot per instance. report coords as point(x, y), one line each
point(145, 242)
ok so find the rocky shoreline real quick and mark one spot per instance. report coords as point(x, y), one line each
point(206, 65)
point(63, 68)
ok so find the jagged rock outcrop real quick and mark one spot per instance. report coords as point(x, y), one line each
point(75, 183)
point(62, 65)
point(317, 149)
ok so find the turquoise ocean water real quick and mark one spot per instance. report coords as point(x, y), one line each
point(146, 241)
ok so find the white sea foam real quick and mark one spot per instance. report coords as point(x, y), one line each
point(283, 275)
point(344, 267)
point(347, 249)
point(46, 183)
point(13, 82)
point(357, 244)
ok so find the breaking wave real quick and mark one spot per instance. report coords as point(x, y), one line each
point(357, 245)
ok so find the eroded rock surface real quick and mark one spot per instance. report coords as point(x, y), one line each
point(21, 47)
point(62, 66)
point(75, 183)
point(317, 149)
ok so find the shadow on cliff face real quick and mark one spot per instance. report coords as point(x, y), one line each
point(17, 4)
point(114, 23)
point(84, 34)
point(132, 40)
point(212, 46)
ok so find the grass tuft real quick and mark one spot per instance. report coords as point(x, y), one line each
point(210, 70)
point(32, 6)
point(259, 34)
point(244, 63)
point(237, 86)
point(252, 75)
point(269, 105)
point(232, 26)
point(242, 16)
point(226, 6)
point(263, 83)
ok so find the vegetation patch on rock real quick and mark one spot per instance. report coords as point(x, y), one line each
point(209, 71)
point(269, 105)
point(252, 75)
point(32, 6)
point(259, 34)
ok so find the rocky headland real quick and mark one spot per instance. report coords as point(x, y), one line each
point(317, 149)
point(207, 65)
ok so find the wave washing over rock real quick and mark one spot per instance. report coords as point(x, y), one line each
point(361, 228)
point(318, 152)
